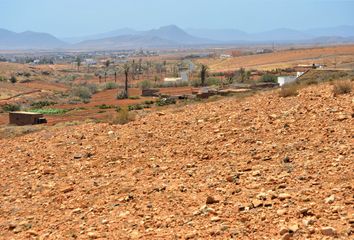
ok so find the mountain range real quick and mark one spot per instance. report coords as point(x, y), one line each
point(173, 36)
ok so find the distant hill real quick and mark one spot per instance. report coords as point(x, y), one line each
point(115, 33)
point(168, 36)
point(172, 36)
point(28, 40)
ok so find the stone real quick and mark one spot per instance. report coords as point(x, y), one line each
point(257, 203)
point(328, 231)
point(284, 196)
point(215, 219)
point(93, 235)
point(283, 231)
point(211, 200)
point(286, 236)
point(293, 228)
point(330, 199)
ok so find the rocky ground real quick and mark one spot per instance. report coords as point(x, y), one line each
point(263, 167)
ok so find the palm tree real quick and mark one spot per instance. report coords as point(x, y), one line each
point(203, 73)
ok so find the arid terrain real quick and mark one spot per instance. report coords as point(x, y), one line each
point(337, 56)
point(262, 167)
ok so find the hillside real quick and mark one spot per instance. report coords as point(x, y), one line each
point(28, 40)
point(254, 168)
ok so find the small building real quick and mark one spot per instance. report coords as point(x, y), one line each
point(225, 56)
point(26, 118)
point(286, 79)
point(173, 80)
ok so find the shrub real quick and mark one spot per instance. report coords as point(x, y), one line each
point(121, 95)
point(41, 104)
point(50, 111)
point(342, 87)
point(123, 117)
point(146, 84)
point(13, 79)
point(269, 78)
point(3, 79)
point(135, 107)
point(11, 108)
point(104, 106)
point(82, 92)
point(92, 87)
point(149, 102)
point(289, 90)
point(111, 85)
point(165, 101)
point(134, 97)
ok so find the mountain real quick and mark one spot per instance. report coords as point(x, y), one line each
point(340, 31)
point(115, 33)
point(219, 34)
point(176, 34)
point(168, 36)
point(125, 42)
point(28, 40)
point(279, 35)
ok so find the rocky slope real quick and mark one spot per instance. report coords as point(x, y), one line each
point(263, 167)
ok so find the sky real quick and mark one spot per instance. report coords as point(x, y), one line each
point(72, 18)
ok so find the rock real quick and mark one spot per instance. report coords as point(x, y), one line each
point(211, 200)
point(308, 222)
point(330, 199)
point(93, 235)
point(190, 236)
point(78, 155)
point(293, 228)
point(283, 196)
point(67, 189)
point(32, 233)
point(286, 236)
point(215, 219)
point(77, 210)
point(283, 231)
point(286, 160)
point(256, 173)
point(257, 203)
point(328, 231)
point(281, 212)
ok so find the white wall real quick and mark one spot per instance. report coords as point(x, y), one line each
point(286, 79)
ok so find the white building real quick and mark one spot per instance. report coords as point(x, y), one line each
point(289, 79)
point(173, 80)
point(286, 79)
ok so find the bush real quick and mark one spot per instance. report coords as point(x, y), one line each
point(342, 87)
point(92, 87)
point(41, 104)
point(165, 101)
point(123, 116)
point(146, 84)
point(149, 102)
point(3, 79)
point(82, 92)
point(289, 90)
point(121, 95)
point(134, 97)
point(11, 108)
point(50, 111)
point(269, 78)
point(104, 106)
point(13, 79)
point(111, 85)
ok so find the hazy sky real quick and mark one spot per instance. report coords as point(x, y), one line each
point(83, 17)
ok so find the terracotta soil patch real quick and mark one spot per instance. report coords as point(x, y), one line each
point(263, 167)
